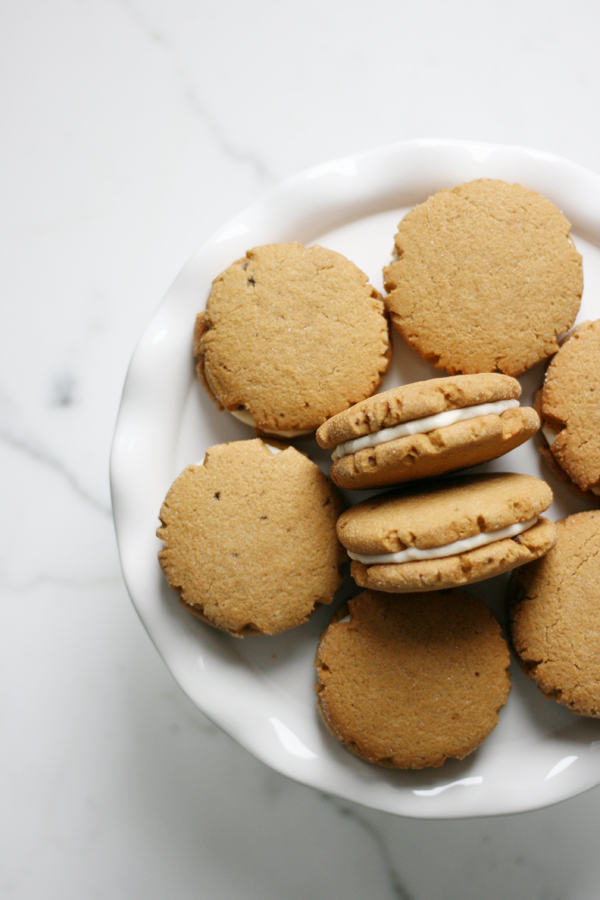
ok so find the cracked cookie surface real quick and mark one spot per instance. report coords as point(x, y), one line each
point(486, 277)
point(249, 538)
point(555, 616)
point(292, 335)
point(569, 406)
point(409, 682)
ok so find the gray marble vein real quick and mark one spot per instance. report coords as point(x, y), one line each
point(398, 890)
point(63, 391)
point(43, 580)
point(265, 178)
point(35, 452)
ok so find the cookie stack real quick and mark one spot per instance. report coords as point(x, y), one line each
point(435, 658)
point(295, 340)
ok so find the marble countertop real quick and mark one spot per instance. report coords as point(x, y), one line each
point(133, 129)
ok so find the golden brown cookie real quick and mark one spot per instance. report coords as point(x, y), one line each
point(569, 406)
point(555, 616)
point(411, 681)
point(447, 533)
point(486, 277)
point(291, 335)
point(425, 429)
point(249, 538)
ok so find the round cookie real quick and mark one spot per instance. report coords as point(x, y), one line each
point(452, 532)
point(569, 407)
point(555, 616)
point(411, 681)
point(249, 538)
point(291, 335)
point(425, 429)
point(486, 277)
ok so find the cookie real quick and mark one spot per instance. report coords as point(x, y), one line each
point(411, 681)
point(426, 428)
point(569, 407)
point(249, 538)
point(291, 336)
point(555, 616)
point(447, 533)
point(486, 277)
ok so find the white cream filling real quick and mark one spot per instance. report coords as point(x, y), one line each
point(248, 419)
point(422, 426)
point(550, 434)
point(463, 546)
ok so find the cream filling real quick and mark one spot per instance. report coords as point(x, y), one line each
point(413, 553)
point(422, 426)
point(551, 434)
point(248, 419)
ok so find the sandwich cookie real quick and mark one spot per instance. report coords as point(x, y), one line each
point(485, 278)
point(453, 532)
point(408, 682)
point(569, 406)
point(249, 538)
point(291, 335)
point(426, 428)
point(555, 616)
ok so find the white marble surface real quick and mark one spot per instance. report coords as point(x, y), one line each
point(132, 130)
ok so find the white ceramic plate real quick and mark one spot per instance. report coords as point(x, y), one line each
point(260, 690)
